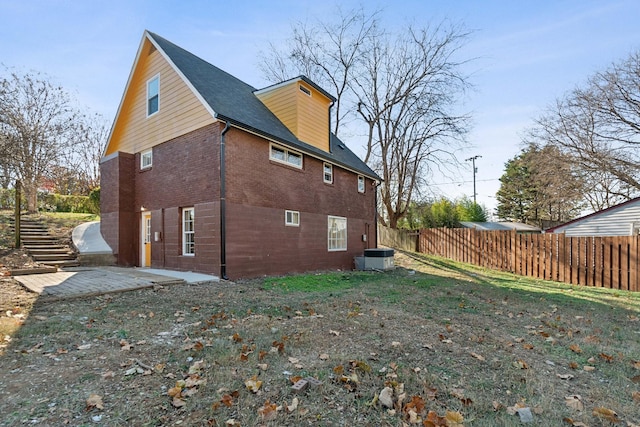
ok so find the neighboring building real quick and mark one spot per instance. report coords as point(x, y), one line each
point(520, 227)
point(203, 172)
point(619, 220)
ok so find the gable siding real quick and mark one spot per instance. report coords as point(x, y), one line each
point(307, 117)
point(313, 118)
point(282, 103)
point(180, 110)
point(615, 222)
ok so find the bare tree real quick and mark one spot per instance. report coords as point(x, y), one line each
point(598, 127)
point(82, 157)
point(37, 124)
point(404, 88)
point(328, 53)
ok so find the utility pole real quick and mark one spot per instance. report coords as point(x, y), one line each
point(475, 170)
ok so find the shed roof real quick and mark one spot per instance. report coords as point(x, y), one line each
point(235, 101)
point(506, 225)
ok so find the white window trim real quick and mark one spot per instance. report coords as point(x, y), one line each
point(364, 184)
point(286, 154)
point(142, 156)
point(329, 248)
point(294, 215)
point(185, 233)
point(157, 76)
point(324, 173)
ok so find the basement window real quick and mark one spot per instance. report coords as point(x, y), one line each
point(292, 218)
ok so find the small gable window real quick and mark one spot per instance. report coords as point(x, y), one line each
point(146, 159)
point(328, 173)
point(360, 184)
point(284, 155)
point(153, 95)
point(305, 90)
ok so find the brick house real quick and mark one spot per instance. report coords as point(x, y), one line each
point(203, 172)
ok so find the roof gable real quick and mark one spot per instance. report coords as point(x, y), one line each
point(227, 98)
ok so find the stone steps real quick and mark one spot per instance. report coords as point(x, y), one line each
point(43, 247)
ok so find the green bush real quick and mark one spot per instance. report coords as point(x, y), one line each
point(63, 203)
point(7, 198)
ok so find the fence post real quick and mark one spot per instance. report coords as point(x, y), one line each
point(17, 213)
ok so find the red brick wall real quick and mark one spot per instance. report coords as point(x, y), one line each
point(258, 193)
point(117, 215)
point(185, 173)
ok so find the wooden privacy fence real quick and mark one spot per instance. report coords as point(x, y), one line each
point(606, 262)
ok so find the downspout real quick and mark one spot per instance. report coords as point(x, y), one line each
point(375, 215)
point(223, 195)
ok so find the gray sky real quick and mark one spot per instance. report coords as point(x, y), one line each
point(528, 53)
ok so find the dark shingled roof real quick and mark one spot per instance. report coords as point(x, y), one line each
point(234, 100)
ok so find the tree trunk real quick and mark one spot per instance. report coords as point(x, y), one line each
point(31, 195)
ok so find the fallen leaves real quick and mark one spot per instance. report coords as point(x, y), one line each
point(574, 402)
point(94, 401)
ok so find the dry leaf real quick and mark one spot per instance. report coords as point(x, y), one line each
point(332, 332)
point(253, 384)
point(636, 364)
point(574, 402)
point(268, 411)
point(606, 357)
point(94, 401)
point(565, 376)
point(324, 356)
point(575, 348)
point(636, 396)
point(294, 405)
point(454, 419)
point(606, 414)
point(477, 356)
point(589, 368)
point(227, 400)
point(521, 364)
point(174, 391)
point(177, 402)
point(263, 366)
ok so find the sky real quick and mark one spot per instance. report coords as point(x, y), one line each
point(524, 54)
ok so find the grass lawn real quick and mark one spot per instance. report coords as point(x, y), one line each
point(432, 343)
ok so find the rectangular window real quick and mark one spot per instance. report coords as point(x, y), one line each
point(146, 159)
point(147, 229)
point(284, 155)
point(337, 233)
point(153, 95)
point(292, 218)
point(360, 184)
point(188, 232)
point(328, 173)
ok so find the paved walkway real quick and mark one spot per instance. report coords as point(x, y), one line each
point(87, 281)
